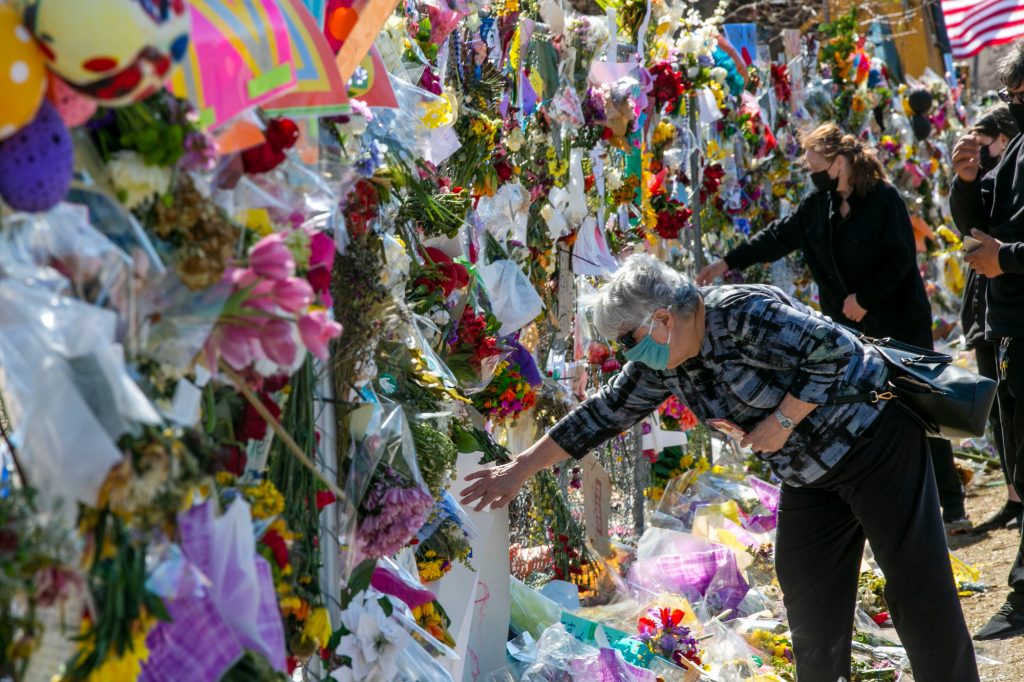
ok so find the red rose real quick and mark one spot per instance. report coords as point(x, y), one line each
point(275, 542)
point(324, 498)
point(281, 134)
point(251, 426)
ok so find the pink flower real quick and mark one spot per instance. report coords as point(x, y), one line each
point(277, 342)
point(237, 344)
point(317, 330)
point(321, 248)
point(292, 294)
point(270, 258)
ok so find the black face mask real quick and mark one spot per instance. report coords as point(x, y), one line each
point(986, 160)
point(824, 182)
point(1017, 111)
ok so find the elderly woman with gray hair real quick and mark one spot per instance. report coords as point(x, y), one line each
point(751, 359)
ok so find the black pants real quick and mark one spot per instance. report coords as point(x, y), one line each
point(1010, 394)
point(987, 355)
point(883, 490)
point(951, 489)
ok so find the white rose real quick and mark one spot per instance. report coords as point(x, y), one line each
point(693, 71)
point(613, 179)
point(719, 74)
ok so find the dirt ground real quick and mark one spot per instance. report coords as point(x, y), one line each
point(991, 554)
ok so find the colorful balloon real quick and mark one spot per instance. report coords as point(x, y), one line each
point(119, 51)
point(37, 163)
point(74, 107)
point(22, 73)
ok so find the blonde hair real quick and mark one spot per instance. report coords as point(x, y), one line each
point(828, 139)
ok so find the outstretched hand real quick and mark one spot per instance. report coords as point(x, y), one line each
point(496, 486)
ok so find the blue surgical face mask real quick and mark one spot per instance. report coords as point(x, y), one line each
point(649, 352)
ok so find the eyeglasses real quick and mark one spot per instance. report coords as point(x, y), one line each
point(1011, 97)
point(627, 340)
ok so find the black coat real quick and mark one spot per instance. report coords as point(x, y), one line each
point(995, 204)
point(870, 253)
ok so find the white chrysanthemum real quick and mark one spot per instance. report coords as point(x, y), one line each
point(136, 181)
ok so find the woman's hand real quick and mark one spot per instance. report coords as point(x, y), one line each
point(768, 436)
point(712, 272)
point(967, 158)
point(852, 309)
point(496, 486)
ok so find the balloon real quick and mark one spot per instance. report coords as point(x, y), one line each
point(921, 125)
point(22, 73)
point(920, 100)
point(114, 51)
point(74, 107)
point(37, 162)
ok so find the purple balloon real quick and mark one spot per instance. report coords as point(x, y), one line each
point(37, 163)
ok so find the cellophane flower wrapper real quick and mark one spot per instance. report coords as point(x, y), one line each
point(448, 508)
point(177, 321)
point(381, 440)
point(531, 611)
point(560, 656)
point(513, 299)
point(66, 389)
point(111, 219)
point(425, 651)
point(61, 250)
point(756, 500)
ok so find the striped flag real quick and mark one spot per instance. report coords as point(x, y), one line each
point(973, 25)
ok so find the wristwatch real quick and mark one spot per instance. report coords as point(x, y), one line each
point(784, 421)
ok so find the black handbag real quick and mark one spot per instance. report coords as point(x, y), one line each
point(947, 400)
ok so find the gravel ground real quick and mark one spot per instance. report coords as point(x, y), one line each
point(991, 554)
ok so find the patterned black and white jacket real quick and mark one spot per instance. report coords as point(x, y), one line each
point(760, 345)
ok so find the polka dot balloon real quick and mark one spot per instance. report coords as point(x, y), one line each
point(22, 73)
point(119, 51)
point(37, 163)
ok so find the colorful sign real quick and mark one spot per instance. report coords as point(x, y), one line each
point(239, 57)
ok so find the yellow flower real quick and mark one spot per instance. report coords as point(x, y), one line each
point(265, 499)
point(664, 132)
point(318, 626)
point(128, 666)
point(225, 479)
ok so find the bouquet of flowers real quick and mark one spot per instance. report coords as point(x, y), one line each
point(507, 396)
point(663, 633)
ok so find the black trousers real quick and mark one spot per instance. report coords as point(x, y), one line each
point(1010, 393)
point(883, 490)
point(951, 489)
point(987, 354)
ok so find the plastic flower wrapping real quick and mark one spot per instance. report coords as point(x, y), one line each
point(275, 276)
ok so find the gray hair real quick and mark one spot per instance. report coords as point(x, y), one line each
point(642, 285)
point(1011, 66)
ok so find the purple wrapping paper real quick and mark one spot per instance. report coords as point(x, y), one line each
point(239, 609)
point(609, 666)
point(527, 364)
point(197, 645)
point(710, 574)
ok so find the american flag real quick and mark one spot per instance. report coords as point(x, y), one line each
point(973, 25)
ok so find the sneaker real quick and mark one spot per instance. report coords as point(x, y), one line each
point(1007, 517)
point(1007, 622)
point(956, 526)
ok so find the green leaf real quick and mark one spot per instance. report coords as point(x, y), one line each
point(361, 576)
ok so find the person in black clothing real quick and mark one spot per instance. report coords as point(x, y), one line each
point(993, 130)
point(991, 207)
point(857, 240)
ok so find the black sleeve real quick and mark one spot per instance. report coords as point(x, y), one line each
point(897, 253)
point(967, 207)
point(781, 238)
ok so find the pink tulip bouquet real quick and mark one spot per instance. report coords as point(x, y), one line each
point(279, 306)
